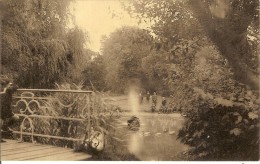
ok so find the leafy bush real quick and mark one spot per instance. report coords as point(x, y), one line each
point(222, 129)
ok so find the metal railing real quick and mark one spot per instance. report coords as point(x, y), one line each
point(53, 114)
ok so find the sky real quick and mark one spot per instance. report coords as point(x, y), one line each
point(101, 17)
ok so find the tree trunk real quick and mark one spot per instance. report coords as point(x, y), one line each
point(230, 38)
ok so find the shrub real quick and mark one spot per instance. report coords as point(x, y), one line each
point(222, 129)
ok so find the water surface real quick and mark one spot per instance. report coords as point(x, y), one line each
point(156, 139)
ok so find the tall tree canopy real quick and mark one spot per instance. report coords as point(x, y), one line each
point(123, 51)
point(94, 73)
point(37, 47)
point(226, 23)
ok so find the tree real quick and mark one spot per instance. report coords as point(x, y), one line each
point(123, 51)
point(94, 73)
point(227, 24)
point(77, 54)
point(173, 21)
point(220, 47)
point(36, 45)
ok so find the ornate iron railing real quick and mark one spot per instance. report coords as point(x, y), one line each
point(46, 115)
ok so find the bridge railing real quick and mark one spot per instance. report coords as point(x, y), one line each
point(49, 116)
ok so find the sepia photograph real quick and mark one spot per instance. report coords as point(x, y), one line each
point(129, 80)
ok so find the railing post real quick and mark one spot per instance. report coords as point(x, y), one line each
point(88, 101)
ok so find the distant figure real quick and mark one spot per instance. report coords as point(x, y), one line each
point(154, 101)
point(163, 107)
point(171, 105)
point(154, 98)
point(148, 96)
point(163, 101)
point(141, 97)
point(7, 116)
point(153, 107)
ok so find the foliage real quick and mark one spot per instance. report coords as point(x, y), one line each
point(36, 39)
point(123, 51)
point(215, 51)
point(227, 24)
point(156, 69)
point(94, 74)
point(104, 118)
point(73, 105)
point(178, 37)
point(223, 128)
point(171, 21)
point(77, 55)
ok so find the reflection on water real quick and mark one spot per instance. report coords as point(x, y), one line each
point(134, 146)
point(157, 137)
point(133, 100)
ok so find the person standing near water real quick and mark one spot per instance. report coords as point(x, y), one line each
point(163, 107)
point(148, 96)
point(154, 101)
point(171, 104)
point(141, 97)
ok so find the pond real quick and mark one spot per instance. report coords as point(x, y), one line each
point(156, 139)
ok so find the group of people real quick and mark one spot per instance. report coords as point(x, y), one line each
point(164, 107)
point(148, 96)
point(141, 97)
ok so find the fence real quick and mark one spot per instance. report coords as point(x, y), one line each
point(47, 115)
